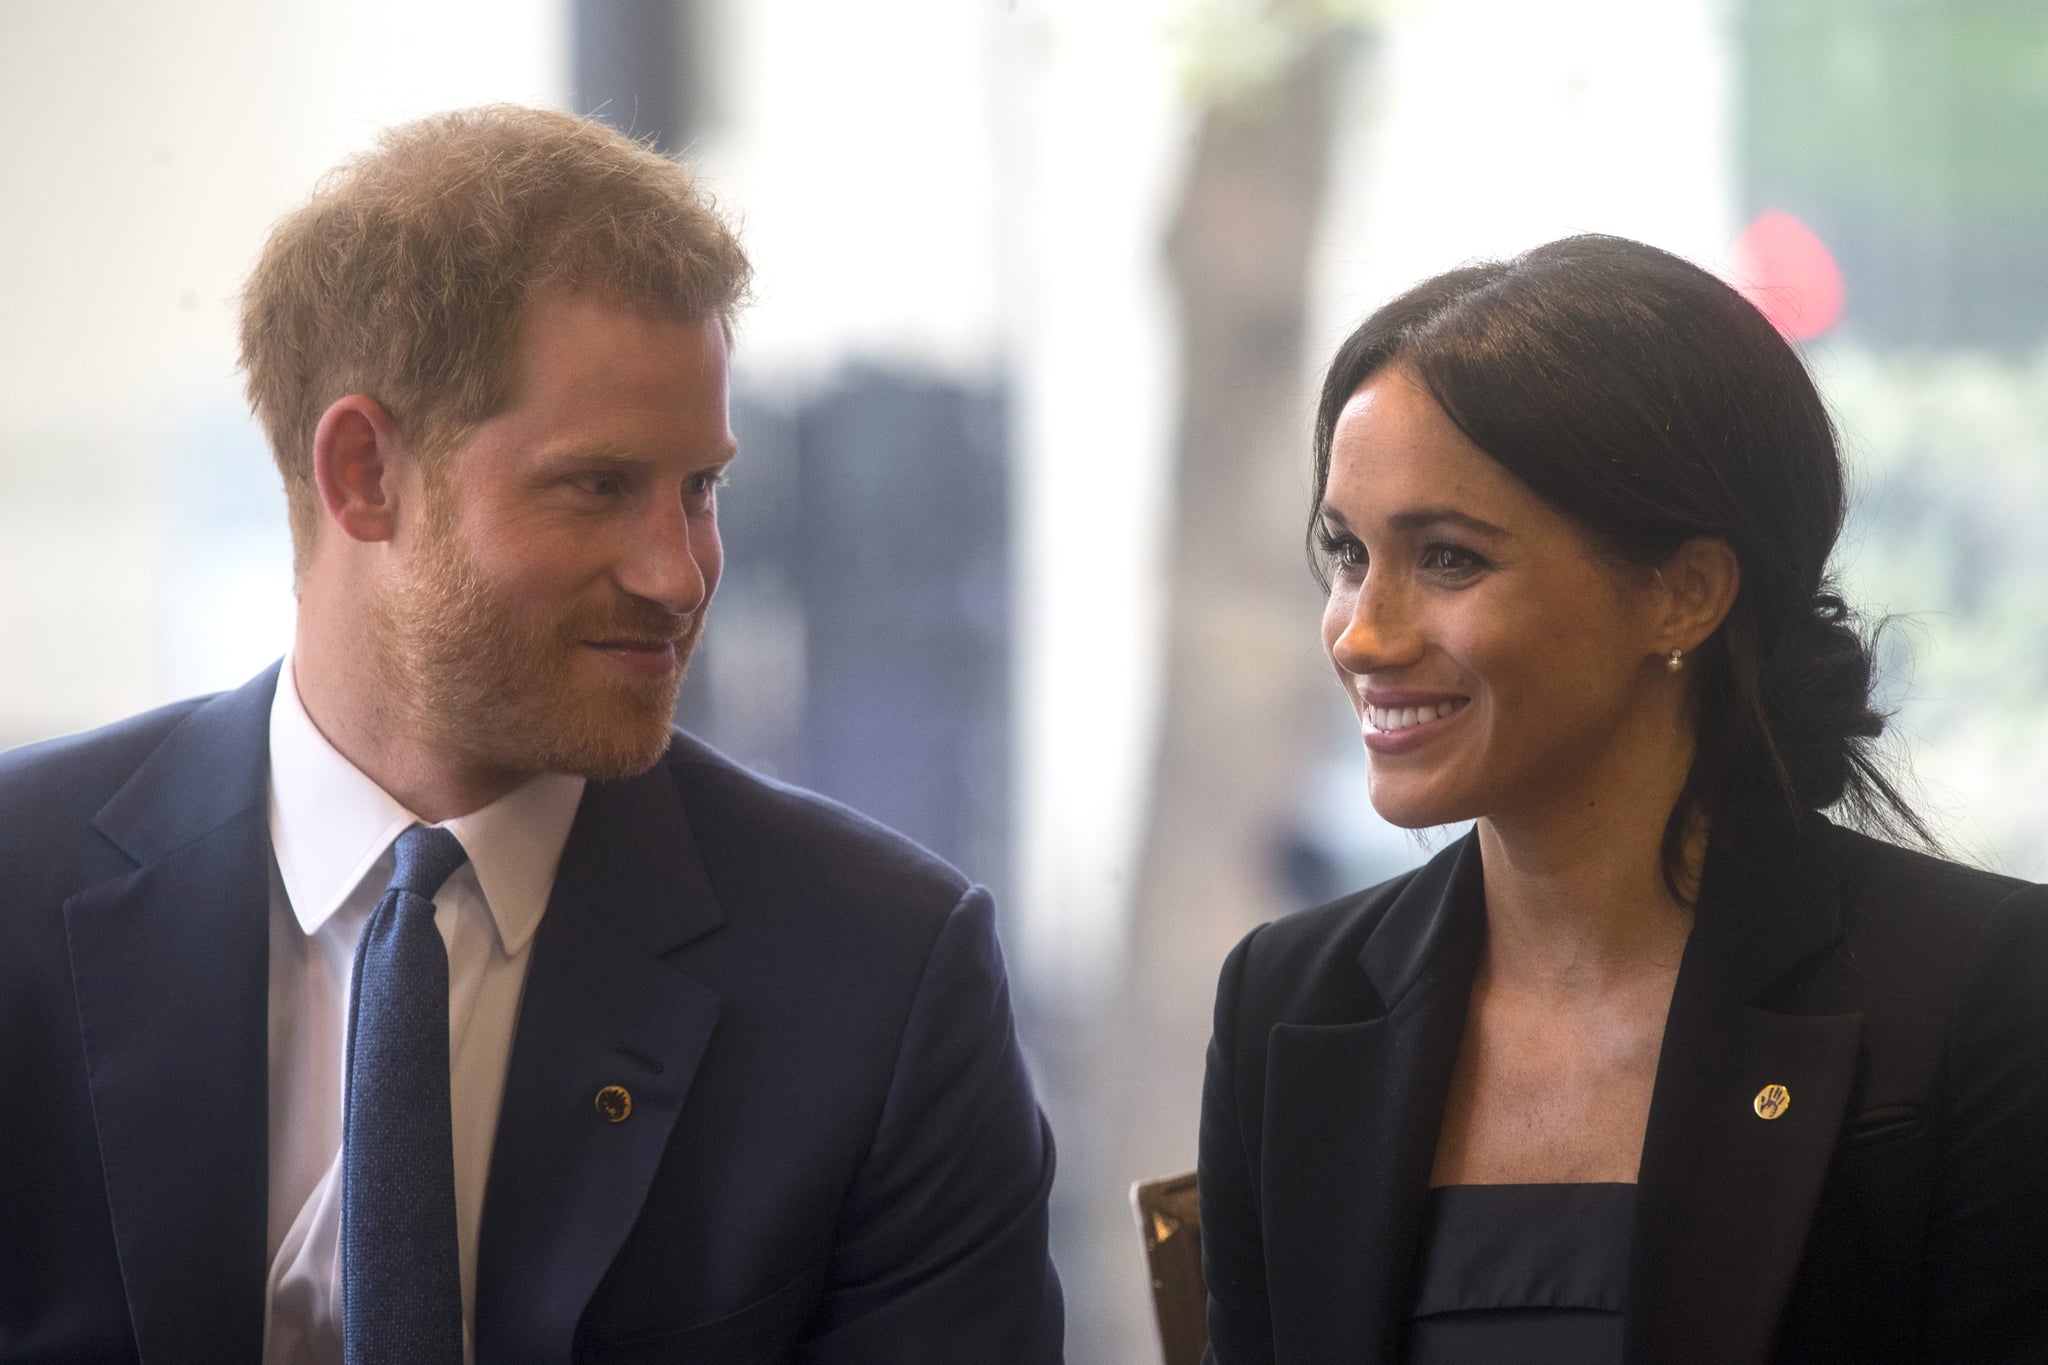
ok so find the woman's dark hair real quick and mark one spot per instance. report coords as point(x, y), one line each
point(1649, 402)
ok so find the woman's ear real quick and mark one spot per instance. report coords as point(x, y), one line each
point(1699, 582)
point(356, 457)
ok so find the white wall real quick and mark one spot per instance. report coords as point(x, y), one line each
point(142, 552)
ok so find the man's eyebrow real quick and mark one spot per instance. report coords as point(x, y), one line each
point(606, 453)
point(1422, 518)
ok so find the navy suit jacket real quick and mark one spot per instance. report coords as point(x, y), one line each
point(1897, 1210)
point(833, 1153)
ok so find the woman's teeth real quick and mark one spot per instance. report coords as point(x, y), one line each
point(1390, 718)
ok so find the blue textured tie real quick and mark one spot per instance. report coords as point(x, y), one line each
point(401, 1279)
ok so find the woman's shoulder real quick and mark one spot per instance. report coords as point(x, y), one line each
point(1890, 892)
point(1879, 868)
point(1349, 919)
point(1311, 966)
point(1918, 944)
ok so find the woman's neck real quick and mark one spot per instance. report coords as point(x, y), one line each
point(1576, 896)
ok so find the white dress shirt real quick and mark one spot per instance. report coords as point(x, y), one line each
point(332, 832)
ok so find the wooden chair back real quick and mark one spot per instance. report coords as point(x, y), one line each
point(1170, 1226)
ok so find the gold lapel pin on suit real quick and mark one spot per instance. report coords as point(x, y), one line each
point(615, 1104)
point(1772, 1101)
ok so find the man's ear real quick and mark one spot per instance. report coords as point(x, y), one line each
point(357, 456)
point(1700, 581)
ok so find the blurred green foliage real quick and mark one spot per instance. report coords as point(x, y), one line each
point(1909, 134)
point(1927, 109)
point(1948, 454)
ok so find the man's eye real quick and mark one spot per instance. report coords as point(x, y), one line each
point(601, 485)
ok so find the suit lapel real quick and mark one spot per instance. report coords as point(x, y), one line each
point(171, 968)
point(1725, 1196)
point(601, 1009)
point(1352, 1113)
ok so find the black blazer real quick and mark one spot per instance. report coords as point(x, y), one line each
point(1896, 1211)
point(833, 1154)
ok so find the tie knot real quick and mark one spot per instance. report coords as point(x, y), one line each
point(426, 859)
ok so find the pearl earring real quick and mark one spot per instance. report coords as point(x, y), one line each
point(1676, 661)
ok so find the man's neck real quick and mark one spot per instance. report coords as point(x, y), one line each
point(339, 687)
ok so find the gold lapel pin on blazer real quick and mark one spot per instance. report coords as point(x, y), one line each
point(615, 1104)
point(1772, 1101)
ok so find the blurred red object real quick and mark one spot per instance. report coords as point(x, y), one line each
point(1789, 274)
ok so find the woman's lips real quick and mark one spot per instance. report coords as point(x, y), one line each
point(1401, 724)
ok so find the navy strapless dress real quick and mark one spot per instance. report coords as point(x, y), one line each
point(1533, 1274)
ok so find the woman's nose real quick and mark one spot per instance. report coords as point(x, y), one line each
point(1370, 629)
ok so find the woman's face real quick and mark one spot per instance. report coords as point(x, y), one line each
point(1498, 664)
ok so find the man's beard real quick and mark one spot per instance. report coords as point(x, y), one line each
point(509, 691)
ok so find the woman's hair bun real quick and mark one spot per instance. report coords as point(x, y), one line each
point(1815, 689)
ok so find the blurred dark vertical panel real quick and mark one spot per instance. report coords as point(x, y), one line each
point(860, 645)
point(904, 557)
point(640, 66)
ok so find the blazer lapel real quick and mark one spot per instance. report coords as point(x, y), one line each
point(171, 964)
point(1725, 1194)
point(601, 1009)
point(1352, 1113)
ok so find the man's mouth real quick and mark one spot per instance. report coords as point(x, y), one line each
point(656, 656)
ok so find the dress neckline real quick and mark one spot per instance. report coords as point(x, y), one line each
point(1562, 1245)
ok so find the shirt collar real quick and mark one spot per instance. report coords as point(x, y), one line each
point(330, 823)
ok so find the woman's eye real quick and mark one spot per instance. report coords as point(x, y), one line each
point(1345, 552)
point(1450, 561)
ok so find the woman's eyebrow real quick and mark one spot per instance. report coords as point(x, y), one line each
point(1420, 518)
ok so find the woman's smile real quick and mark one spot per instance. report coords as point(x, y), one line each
point(1400, 724)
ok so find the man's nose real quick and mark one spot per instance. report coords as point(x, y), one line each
point(662, 563)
